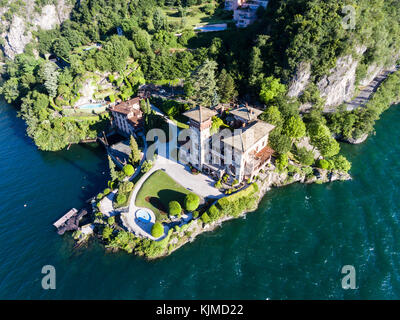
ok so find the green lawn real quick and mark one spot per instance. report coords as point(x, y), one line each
point(160, 189)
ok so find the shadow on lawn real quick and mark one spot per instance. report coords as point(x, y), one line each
point(171, 195)
point(156, 203)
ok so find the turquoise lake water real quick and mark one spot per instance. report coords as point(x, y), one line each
point(293, 246)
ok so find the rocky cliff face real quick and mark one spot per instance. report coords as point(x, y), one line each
point(17, 33)
point(338, 86)
point(300, 80)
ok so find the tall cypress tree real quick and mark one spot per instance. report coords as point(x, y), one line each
point(113, 172)
point(135, 152)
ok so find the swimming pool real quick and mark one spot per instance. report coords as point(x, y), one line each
point(91, 106)
point(211, 28)
point(143, 215)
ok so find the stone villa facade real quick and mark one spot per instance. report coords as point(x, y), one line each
point(244, 11)
point(241, 154)
point(127, 116)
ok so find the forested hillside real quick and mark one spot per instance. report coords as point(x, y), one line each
point(123, 44)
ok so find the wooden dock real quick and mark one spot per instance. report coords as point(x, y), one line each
point(60, 222)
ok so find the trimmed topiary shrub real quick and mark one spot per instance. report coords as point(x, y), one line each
point(175, 208)
point(192, 202)
point(106, 191)
point(128, 170)
point(157, 230)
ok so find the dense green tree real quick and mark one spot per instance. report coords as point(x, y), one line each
point(205, 218)
point(9, 90)
point(294, 128)
point(273, 116)
point(256, 75)
point(50, 77)
point(280, 142)
point(304, 156)
point(157, 230)
point(341, 163)
point(175, 208)
point(323, 164)
point(204, 84)
point(159, 19)
point(271, 88)
point(192, 202)
point(281, 162)
point(121, 199)
point(61, 48)
point(321, 138)
point(107, 232)
point(146, 166)
point(128, 170)
point(125, 187)
point(116, 52)
point(141, 40)
point(111, 221)
point(226, 87)
point(214, 213)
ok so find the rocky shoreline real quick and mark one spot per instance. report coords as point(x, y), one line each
point(276, 181)
point(178, 237)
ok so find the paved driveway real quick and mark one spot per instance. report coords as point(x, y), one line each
point(200, 184)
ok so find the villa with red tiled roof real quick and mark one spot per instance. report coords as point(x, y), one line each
point(127, 116)
point(241, 155)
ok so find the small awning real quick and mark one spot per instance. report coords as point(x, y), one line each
point(265, 154)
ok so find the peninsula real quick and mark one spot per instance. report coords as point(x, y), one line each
point(202, 106)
